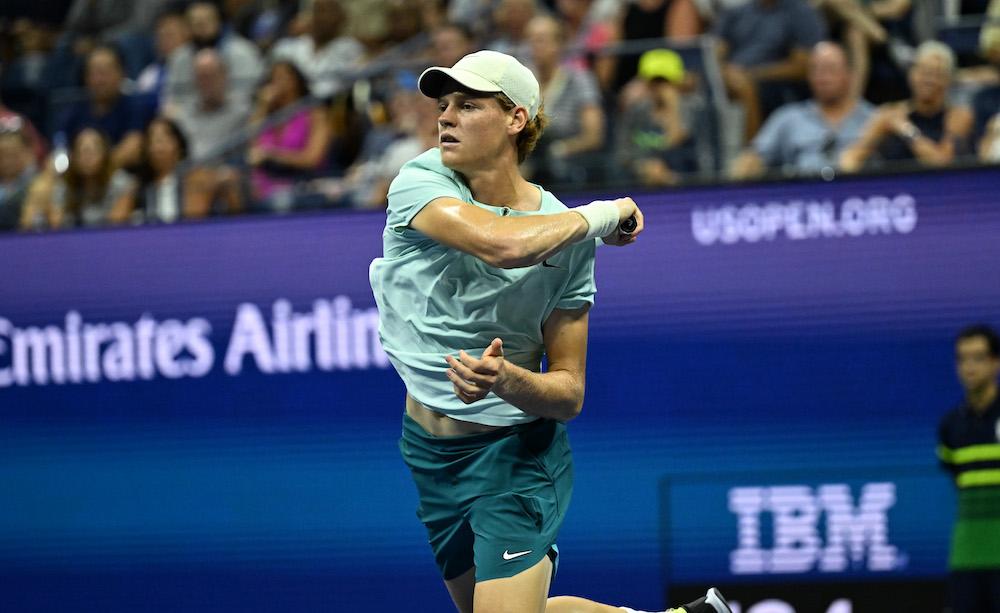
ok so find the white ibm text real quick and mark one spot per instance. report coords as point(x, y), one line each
point(853, 535)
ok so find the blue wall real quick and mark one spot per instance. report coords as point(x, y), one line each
point(198, 417)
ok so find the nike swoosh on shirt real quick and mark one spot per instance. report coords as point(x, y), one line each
point(545, 264)
point(511, 556)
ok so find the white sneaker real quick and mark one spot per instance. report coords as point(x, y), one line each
point(711, 602)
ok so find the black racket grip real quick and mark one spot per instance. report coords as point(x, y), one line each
point(628, 226)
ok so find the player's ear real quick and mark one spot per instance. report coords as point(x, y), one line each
point(517, 120)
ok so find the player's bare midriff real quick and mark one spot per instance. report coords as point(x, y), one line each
point(437, 424)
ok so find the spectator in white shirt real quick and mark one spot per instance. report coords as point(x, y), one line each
point(325, 54)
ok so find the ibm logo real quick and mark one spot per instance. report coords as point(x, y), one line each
point(853, 535)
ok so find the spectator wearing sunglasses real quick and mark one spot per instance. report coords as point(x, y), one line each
point(804, 138)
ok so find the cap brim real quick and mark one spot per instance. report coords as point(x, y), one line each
point(433, 80)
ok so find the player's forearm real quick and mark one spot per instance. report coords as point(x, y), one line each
point(526, 241)
point(554, 395)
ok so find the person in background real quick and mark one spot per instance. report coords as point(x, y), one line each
point(449, 43)
point(217, 114)
point(925, 128)
point(674, 20)
point(261, 21)
point(91, 23)
point(405, 19)
point(85, 195)
point(326, 54)
point(571, 95)
point(172, 33)
point(17, 169)
point(289, 148)
point(859, 25)
point(806, 137)
point(413, 121)
point(162, 195)
point(207, 30)
point(764, 53)
point(986, 102)
point(969, 449)
point(12, 121)
point(107, 108)
point(26, 49)
point(511, 18)
point(653, 143)
point(989, 145)
point(589, 30)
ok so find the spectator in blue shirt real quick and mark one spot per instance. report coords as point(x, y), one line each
point(764, 51)
point(806, 137)
point(107, 108)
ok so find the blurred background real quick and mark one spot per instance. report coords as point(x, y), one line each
point(195, 413)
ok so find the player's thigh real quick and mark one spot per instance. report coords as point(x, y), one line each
point(525, 592)
point(462, 589)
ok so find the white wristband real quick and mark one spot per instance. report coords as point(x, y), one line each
point(601, 216)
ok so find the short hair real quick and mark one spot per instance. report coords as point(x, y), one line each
point(934, 47)
point(462, 29)
point(981, 331)
point(211, 52)
point(172, 10)
point(214, 3)
point(111, 48)
point(528, 137)
point(560, 28)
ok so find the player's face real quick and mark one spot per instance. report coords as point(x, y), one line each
point(472, 130)
point(976, 367)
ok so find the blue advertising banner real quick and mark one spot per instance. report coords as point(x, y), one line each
point(200, 416)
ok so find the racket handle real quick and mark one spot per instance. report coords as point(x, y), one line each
point(628, 226)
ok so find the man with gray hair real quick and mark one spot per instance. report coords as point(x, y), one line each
point(925, 128)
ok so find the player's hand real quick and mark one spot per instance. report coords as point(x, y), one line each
point(474, 378)
point(626, 208)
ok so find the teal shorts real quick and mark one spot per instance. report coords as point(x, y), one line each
point(494, 500)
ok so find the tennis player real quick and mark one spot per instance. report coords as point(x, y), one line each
point(483, 274)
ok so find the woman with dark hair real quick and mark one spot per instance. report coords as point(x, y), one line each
point(86, 194)
point(293, 142)
point(161, 193)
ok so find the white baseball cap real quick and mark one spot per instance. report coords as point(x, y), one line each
point(487, 71)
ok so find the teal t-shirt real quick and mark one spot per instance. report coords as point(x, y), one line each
point(434, 300)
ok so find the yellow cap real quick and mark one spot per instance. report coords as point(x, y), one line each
point(661, 64)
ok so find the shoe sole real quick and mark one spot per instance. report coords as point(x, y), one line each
point(714, 598)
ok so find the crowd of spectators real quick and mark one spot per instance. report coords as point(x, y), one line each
point(119, 112)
